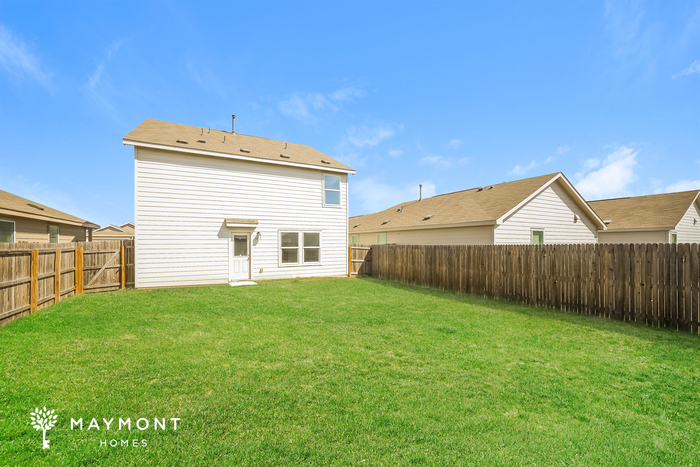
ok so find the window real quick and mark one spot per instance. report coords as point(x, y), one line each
point(331, 190)
point(290, 247)
point(53, 234)
point(300, 247)
point(674, 238)
point(240, 245)
point(312, 247)
point(538, 237)
point(7, 232)
point(381, 239)
point(355, 239)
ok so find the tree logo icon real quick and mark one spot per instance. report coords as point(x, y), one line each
point(43, 420)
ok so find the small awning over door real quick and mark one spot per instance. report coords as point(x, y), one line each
point(232, 223)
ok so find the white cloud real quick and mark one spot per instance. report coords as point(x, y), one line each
point(307, 107)
point(455, 144)
point(347, 150)
point(561, 150)
point(523, 169)
point(464, 161)
point(370, 136)
point(613, 177)
point(375, 196)
point(301, 106)
point(683, 185)
point(17, 58)
point(347, 94)
point(95, 77)
point(590, 164)
point(396, 153)
point(438, 161)
point(693, 68)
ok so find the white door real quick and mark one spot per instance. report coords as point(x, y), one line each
point(240, 256)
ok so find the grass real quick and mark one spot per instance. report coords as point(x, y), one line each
point(345, 372)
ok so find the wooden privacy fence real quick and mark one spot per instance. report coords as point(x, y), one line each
point(35, 275)
point(656, 284)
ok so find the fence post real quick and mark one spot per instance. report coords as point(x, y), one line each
point(78, 270)
point(350, 261)
point(57, 277)
point(123, 269)
point(34, 281)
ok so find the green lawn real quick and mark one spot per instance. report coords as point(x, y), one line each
point(345, 372)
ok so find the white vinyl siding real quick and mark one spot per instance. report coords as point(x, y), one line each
point(182, 201)
point(477, 235)
point(553, 211)
point(688, 228)
point(635, 236)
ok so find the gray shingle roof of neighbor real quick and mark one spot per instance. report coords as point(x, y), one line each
point(645, 212)
point(484, 204)
point(13, 205)
point(197, 139)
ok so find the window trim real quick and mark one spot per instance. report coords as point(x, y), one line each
point(58, 232)
point(385, 238)
point(14, 228)
point(300, 248)
point(339, 190)
point(532, 235)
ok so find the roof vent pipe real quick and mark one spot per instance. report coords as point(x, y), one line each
point(233, 123)
point(420, 192)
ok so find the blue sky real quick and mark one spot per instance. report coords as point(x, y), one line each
point(452, 95)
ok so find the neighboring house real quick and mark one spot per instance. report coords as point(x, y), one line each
point(539, 210)
point(22, 220)
point(115, 232)
point(220, 207)
point(665, 218)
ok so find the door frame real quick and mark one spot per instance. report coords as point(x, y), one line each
point(249, 236)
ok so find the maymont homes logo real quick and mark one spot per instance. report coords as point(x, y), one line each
point(43, 420)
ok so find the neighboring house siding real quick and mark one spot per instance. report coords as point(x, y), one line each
point(35, 230)
point(478, 235)
point(687, 229)
point(553, 211)
point(182, 201)
point(639, 236)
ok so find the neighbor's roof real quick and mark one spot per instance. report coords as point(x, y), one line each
point(205, 141)
point(126, 230)
point(483, 205)
point(13, 205)
point(645, 212)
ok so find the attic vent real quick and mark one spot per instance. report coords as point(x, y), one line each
point(182, 142)
point(428, 217)
point(245, 150)
point(35, 206)
point(606, 222)
point(386, 221)
point(356, 225)
point(325, 161)
point(201, 141)
point(481, 188)
point(285, 156)
point(491, 187)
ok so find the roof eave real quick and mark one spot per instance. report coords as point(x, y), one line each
point(424, 227)
point(234, 156)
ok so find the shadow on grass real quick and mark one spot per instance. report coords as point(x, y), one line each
point(656, 335)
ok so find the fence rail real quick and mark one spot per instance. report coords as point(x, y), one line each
point(656, 284)
point(36, 275)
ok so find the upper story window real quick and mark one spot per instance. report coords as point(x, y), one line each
point(331, 190)
point(53, 234)
point(7, 232)
point(674, 237)
point(381, 239)
point(355, 239)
